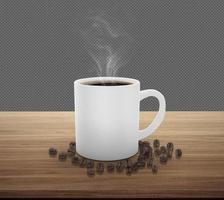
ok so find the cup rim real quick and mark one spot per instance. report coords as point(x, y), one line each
point(101, 78)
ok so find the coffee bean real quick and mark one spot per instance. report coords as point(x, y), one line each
point(146, 144)
point(150, 153)
point(169, 154)
point(52, 151)
point(140, 143)
point(163, 150)
point(154, 169)
point(90, 163)
point(140, 147)
point(100, 168)
point(129, 162)
point(156, 143)
point(141, 163)
point(141, 150)
point(135, 167)
point(145, 152)
point(71, 152)
point(170, 146)
point(141, 157)
point(163, 159)
point(129, 170)
point(124, 162)
point(82, 162)
point(129, 167)
point(72, 144)
point(62, 156)
point(90, 172)
point(157, 152)
point(120, 166)
point(178, 153)
point(110, 167)
point(75, 160)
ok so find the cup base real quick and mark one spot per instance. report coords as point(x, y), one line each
point(117, 158)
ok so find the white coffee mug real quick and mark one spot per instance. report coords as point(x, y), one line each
point(107, 117)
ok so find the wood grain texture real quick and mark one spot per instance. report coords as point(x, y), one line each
point(26, 170)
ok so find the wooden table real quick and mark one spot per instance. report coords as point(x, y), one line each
point(26, 170)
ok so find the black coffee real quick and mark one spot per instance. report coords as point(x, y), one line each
point(107, 83)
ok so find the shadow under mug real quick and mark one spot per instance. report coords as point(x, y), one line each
point(107, 117)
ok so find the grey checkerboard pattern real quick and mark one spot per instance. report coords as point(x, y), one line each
point(179, 51)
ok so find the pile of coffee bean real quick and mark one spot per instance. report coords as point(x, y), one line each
point(150, 156)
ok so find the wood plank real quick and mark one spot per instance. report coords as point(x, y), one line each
point(26, 170)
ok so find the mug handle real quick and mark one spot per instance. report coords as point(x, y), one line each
point(159, 116)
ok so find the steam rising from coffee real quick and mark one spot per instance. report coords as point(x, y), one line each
point(106, 42)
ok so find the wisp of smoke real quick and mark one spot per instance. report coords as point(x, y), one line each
point(106, 42)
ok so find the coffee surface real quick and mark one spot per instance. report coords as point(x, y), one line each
point(107, 83)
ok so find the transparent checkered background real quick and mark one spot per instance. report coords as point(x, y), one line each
point(179, 51)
